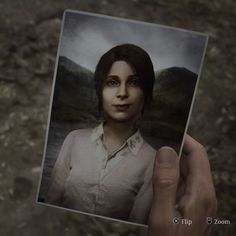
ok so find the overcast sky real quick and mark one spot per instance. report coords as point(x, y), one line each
point(86, 37)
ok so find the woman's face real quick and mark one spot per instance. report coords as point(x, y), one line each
point(122, 96)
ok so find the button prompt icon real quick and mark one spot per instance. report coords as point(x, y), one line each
point(209, 220)
point(176, 220)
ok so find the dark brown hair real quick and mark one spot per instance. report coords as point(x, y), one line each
point(137, 58)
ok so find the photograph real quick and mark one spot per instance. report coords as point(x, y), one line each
point(122, 89)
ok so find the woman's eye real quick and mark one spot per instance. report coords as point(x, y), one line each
point(134, 82)
point(111, 83)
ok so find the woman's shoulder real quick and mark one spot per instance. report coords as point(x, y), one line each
point(80, 133)
point(148, 150)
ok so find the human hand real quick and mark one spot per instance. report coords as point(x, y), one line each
point(182, 189)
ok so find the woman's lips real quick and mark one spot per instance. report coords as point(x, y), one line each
point(122, 107)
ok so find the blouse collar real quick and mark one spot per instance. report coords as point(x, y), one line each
point(134, 142)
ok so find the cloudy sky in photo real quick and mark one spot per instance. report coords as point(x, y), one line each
point(86, 37)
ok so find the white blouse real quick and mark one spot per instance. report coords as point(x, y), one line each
point(86, 179)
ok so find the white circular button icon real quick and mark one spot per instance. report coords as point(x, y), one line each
point(176, 220)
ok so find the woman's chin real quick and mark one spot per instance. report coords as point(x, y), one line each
point(121, 118)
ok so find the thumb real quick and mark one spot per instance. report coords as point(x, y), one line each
point(165, 182)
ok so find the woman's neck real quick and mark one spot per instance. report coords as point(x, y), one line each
point(116, 133)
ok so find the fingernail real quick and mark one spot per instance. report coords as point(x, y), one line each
point(167, 156)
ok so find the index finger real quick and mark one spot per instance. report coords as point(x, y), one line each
point(197, 160)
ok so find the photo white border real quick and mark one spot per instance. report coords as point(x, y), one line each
point(53, 90)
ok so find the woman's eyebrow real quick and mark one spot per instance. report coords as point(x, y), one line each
point(112, 77)
point(116, 76)
point(134, 76)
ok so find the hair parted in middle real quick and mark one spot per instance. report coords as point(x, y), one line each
point(137, 58)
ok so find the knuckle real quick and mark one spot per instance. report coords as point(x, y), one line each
point(165, 183)
point(166, 178)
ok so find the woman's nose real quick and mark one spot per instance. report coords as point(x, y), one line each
point(122, 91)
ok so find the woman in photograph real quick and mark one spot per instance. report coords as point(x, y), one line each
point(107, 170)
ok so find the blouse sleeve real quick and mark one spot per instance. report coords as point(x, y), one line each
point(60, 172)
point(142, 205)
